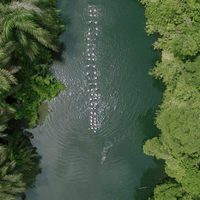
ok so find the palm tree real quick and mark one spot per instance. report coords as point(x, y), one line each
point(6, 79)
point(5, 52)
point(20, 26)
point(11, 182)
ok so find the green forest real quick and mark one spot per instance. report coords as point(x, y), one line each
point(29, 32)
point(177, 25)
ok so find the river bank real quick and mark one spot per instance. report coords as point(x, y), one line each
point(178, 145)
point(29, 44)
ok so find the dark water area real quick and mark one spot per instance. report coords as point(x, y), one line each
point(91, 141)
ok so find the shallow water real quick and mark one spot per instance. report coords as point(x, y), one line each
point(91, 141)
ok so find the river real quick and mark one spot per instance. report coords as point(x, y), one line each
point(91, 141)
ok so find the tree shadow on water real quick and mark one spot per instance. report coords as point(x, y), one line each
point(150, 178)
point(159, 85)
point(147, 123)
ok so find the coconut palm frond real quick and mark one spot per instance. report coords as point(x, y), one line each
point(25, 5)
point(18, 26)
point(11, 182)
point(6, 79)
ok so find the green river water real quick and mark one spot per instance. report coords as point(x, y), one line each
point(91, 141)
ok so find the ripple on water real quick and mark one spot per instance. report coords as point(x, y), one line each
point(96, 165)
point(92, 74)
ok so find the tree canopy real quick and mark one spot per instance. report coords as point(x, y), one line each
point(29, 32)
point(177, 23)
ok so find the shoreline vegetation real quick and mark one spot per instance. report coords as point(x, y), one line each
point(177, 23)
point(29, 32)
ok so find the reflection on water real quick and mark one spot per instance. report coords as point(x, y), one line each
point(105, 152)
point(43, 111)
point(105, 70)
point(90, 64)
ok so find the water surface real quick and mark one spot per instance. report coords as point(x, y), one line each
point(91, 141)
